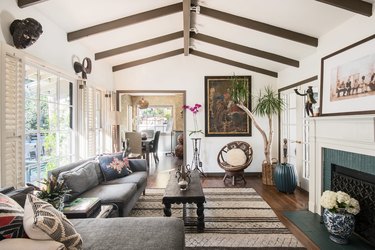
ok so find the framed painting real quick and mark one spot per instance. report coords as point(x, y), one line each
point(222, 116)
point(348, 80)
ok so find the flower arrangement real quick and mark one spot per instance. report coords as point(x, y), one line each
point(337, 202)
point(194, 109)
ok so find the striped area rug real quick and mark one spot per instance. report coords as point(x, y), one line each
point(235, 218)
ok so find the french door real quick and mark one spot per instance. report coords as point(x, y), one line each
point(294, 127)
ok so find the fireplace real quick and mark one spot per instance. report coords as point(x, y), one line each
point(360, 186)
point(347, 141)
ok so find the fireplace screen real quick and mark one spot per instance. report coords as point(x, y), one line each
point(360, 186)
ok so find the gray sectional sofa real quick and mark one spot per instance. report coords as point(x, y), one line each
point(117, 233)
point(88, 181)
point(123, 233)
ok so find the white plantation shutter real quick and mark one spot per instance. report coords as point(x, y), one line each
point(12, 122)
point(106, 121)
point(90, 116)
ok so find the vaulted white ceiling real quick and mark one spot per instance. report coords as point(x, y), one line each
point(308, 17)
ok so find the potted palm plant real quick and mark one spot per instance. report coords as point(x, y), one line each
point(266, 104)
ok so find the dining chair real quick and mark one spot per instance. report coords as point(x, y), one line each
point(135, 142)
point(154, 147)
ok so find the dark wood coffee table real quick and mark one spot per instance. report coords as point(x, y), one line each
point(194, 194)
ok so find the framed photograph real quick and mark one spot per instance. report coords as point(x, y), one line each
point(348, 80)
point(223, 117)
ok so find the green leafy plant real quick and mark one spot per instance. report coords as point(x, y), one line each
point(52, 189)
point(266, 104)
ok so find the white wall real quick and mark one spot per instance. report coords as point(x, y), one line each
point(187, 73)
point(52, 46)
point(324, 131)
point(353, 30)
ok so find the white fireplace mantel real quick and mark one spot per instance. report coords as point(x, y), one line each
point(347, 133)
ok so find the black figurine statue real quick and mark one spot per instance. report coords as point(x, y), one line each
point(285, 151)
point(310, 100)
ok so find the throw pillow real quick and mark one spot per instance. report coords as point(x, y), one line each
point(11, 218)
point(80, 179)
point(19, 194)
point(43, 222)
point(236, 157)
point(114, 166)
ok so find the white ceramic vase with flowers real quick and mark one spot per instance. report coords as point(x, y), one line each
point(338, 215)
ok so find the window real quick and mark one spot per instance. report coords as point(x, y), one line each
point(155, 118)
point(306, 144)
point(49, 138)
point(289, 125)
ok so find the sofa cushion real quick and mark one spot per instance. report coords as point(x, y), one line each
point(116, 193)
point(19, 194)
point(236, 157)
point(139, 178)
point(114, 166)
point(20, 244)
point(56, 171)
point(157, 233)
point(137, 165)
point(43, 222)
point(11, 218)
point(80, 179)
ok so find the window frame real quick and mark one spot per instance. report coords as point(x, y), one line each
point(58, 131)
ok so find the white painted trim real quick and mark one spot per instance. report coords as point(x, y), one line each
point(346, 133)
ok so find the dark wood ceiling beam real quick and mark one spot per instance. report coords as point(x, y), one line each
point(27, 3)
point(356, 6)
point(259, 26)
point(147, 60)
point(137, 18)
point(138, 45)
point(233, 63)
point(186, 18)
point(246, 50)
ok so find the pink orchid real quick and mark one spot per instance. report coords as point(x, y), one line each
point(194, 109)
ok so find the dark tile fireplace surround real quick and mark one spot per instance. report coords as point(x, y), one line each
point(354, 174)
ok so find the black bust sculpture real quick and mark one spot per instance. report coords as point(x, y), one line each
point(25, 32)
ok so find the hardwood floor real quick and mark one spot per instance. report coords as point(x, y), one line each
point(279, 202)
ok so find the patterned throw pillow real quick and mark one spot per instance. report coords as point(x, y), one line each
point(114, 166)
point(42, 222)
point(11, 218)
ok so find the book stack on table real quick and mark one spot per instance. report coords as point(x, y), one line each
point(82, 208)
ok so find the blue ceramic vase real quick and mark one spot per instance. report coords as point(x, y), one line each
point(339, 225)
point(285, 178)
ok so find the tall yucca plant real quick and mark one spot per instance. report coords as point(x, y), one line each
point(266, 104)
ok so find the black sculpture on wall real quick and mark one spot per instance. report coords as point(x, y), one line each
point(25, 32)
point(84, 67)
